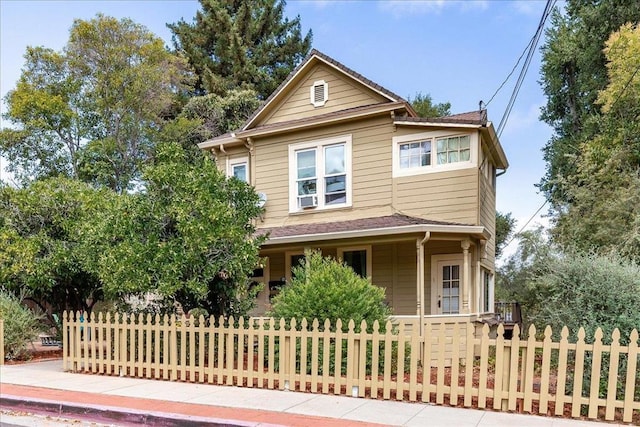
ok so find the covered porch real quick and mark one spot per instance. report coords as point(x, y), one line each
point(429, 269)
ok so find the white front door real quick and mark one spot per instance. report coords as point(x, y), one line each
point(446, 284)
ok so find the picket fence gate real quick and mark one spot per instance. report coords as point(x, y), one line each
point(453, 366)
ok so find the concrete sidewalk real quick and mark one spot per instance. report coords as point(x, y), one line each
point(44, 387)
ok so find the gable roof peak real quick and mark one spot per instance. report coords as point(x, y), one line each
point(313, 56)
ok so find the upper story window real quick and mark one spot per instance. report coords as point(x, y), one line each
point(320, 174)
point(239, 168)
point(319, 93)
point(432, 152)
point(415, 154)
point(453, 149)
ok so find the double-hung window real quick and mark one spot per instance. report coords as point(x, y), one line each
point(320, 174)
point(432, 152)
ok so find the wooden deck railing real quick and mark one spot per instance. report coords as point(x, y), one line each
point(531, 375)
point(509, 313)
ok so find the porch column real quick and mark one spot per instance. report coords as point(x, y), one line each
point(420, 279)
point(466, 275)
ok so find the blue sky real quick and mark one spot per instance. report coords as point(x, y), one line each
point(456, 51)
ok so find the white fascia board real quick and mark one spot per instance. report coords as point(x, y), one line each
point(216, 142)
point(378, 91)
point(376, 232)
point(282, 89)
point(438, 124)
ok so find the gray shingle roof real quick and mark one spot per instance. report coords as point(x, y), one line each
point(389, 221)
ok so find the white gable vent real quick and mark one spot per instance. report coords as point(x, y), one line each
point(319, 93)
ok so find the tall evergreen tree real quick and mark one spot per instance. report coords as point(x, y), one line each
point(573, 73)
point(241, 43)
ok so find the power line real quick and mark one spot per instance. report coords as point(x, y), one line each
point(510, 73)
point(525, 67)
point(575, 159)
point(515, 235)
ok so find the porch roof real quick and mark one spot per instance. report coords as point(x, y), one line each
point(366, 227)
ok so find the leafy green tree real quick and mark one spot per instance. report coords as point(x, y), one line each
point(504, 230)
point(40, 243)
point(323, 288)
point(573, 74)
point(516, 278)
point(220, 115)
point(424, 106)
point(89, 111)
point(241, 43)
point(188, 237)
point(604, 189)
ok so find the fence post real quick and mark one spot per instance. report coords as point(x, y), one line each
point(1, 342)
point(355, 390)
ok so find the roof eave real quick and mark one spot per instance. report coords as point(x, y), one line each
point(437, 124)
point(501, 157)
point(240, 136)
point(473, 230)
point(217, 142)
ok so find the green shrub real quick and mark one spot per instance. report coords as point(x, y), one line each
point(323, 288)
point(21, 325)
point(591, 291)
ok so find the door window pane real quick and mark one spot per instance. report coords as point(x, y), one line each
point(450, 300)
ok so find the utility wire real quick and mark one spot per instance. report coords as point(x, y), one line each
point(510, 73)
point(624, 89)
point(525, 67)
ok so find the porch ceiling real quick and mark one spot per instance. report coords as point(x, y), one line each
point(366, 227)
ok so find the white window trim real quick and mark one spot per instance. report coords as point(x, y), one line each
point(433, 167)
point(435, 285)
point(231, 162)
point(293, 194)
point(366, 248)
point(312, 93)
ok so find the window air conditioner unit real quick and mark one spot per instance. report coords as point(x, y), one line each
point(308, 202)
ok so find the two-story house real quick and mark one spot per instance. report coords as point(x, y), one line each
point(345, 165)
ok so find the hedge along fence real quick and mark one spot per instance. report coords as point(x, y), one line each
point(527, 375)
point(1, 342)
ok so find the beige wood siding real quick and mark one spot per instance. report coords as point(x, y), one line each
point(382, 271)
point(404, 298)
point(343, 93)
point(445, 196)
point(371, 170)
point(488, 217)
